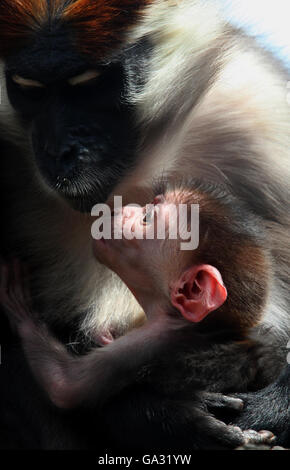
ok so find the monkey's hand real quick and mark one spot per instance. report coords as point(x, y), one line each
point(49, 360)
point(15, 295)
point(268, 408)
point(219, 435)
point(142, 421)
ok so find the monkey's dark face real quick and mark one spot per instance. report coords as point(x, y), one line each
point(81, 129)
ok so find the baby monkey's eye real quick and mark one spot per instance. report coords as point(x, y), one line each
point(148, 217)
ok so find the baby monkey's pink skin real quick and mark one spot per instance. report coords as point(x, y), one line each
point(87, 381)
point(172, 293)
point(72, 381)
point(148, 265)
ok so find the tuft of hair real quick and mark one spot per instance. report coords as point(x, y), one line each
point(96, 26)
point(21, 19)
point(217, 203)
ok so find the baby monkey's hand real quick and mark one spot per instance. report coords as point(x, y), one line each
point(49, 360)
point(15, 296)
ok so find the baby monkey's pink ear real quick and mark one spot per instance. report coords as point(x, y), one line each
point(199, 291)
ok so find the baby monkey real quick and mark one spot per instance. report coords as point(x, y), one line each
point(220, 286)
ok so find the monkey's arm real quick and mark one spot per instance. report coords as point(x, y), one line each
point(89, 380)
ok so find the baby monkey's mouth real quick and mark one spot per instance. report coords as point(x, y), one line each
point(103, 241)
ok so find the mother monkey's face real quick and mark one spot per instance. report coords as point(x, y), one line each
point(69, 70)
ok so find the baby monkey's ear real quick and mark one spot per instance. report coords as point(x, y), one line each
point(199, 291)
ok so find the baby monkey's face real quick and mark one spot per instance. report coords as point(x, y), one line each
point(152, 264)
point(138, 246)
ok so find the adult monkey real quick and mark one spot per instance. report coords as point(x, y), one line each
point(86, 80)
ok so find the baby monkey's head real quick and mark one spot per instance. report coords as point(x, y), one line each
point(226, 273)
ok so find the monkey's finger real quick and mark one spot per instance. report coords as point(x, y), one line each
point(14, 284)
point(19, 290)
point(226, 436)
point(219, 435)
point(17, 271)
point(22, 280)
point(217, 401)
point(4, 277)
point(262, 440)
point(26, 286)
point(260, 437)
point(15, 281)
point(18, 285)
point(5, 297)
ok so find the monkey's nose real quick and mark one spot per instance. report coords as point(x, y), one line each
point(70, 157)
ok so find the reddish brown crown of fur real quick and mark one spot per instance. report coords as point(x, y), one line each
point(97, 26)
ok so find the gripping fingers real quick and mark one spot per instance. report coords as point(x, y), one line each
point(6, 297)
point(259, 437)
point(217, 401)
point(14, 293)
point(216, 435)
point(20, 283)
point(232, 437)
point(257, 440)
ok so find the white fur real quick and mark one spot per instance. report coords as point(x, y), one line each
point(246, 98)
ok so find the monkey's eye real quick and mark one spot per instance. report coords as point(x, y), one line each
point(148, 217)
point(84, 78)
point(27, 82)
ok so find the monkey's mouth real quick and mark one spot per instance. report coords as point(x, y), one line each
point(85, 188)
point(102, 251)
point(83, 193)
point(85, 183)
point(103, 242)
point(84, 204)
